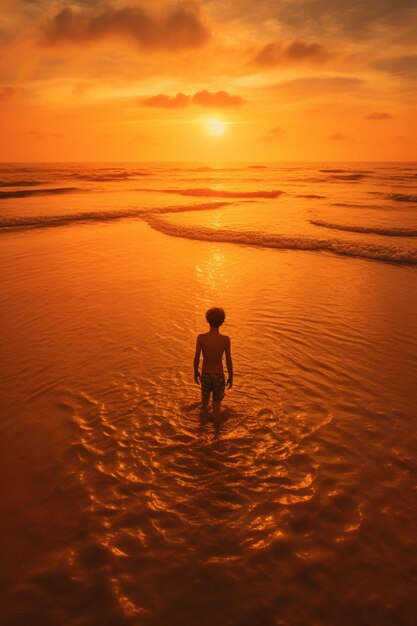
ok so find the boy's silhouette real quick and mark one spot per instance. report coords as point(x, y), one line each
point(213, 345)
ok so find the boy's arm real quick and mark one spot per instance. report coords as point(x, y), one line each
point(197, 361)
point(229, 363)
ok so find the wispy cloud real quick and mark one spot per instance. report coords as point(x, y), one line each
point(302, 89)
point(168, 102)
point(402, 67)
point(215, 99)
point(378, 116)
point(296, 52)
point(274, 134)
point(355, 19)
point(7, 94)
point(338, 137)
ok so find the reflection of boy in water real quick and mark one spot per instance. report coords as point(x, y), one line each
point(213, 345)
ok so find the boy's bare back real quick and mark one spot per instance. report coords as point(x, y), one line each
point(213, 346)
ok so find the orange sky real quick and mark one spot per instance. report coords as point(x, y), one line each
point(208, 80)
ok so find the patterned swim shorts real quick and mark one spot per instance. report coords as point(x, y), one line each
point(212, 383)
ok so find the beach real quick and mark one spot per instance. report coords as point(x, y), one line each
point(123, 505)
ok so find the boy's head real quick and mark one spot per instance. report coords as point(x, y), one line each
point(215, 317)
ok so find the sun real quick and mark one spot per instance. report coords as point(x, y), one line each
point(215, 128)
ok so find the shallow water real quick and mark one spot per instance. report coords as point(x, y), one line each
point(124, 504)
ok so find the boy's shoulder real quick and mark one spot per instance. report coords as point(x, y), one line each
point(207, 334)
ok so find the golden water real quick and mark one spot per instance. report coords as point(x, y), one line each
point(123, 505)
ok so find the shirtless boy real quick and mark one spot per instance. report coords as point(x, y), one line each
point(213, 345)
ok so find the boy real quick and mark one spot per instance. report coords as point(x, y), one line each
point(213, 345)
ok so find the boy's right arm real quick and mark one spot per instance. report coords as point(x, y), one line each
point(229, 363)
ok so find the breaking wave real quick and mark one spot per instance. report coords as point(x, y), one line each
point(391, 232)
point(24, 193)
point(46, 221)
point(357, 176)
point(108, 176)
point(402, 197)
point(20, 183)
point(283, 242)
point(222, 193)
point(356, 205)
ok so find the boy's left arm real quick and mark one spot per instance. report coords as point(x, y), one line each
point(197, 361)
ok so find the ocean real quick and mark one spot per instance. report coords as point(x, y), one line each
point(123, 504)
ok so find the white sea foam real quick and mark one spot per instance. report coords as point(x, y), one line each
point(46, 221)
point(374, 230)
point(224, 193)
point(284, 242)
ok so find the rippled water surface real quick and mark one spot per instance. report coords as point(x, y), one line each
point(123, 503)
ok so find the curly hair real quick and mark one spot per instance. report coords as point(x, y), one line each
point(215, 317)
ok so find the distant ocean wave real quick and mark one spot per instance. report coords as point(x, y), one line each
point(21, 183)
point(357, 176)
point(356, 205)
point(284, 242)
point(108, 176)
point(391, 232)
point(222, 193)
point(402, 197)
point(254, 238)
point(46, 221)
point(343, 171)
point(25, 193)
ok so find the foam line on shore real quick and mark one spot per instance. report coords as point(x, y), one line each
point(46, 221)
point(389, 232)
point(284, 242)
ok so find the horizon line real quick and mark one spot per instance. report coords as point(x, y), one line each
point(223, 162)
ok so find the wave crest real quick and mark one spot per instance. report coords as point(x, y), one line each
point(20, 183)
point(284, 242)
point(223, 193)
point(402, 197)
point(108, 176)
point(24, 193)
point(391, 232)
point(46, 221)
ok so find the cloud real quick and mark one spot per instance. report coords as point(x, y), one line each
point(274, 134)
point(168, 102)
point(215, 99)
point(219, 99)
point(338, 137)
point(355, 19)
point(403, 67)
point(313, 87)
point(7, 94)
point(378, 116)
point(179, 29)
point(296, 52)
